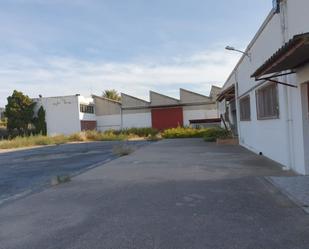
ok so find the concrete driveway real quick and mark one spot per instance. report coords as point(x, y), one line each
point(174, 194)
point(23, 172)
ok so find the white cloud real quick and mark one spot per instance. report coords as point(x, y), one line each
point(62, 76)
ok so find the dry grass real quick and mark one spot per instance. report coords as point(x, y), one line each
point(84, 136)
point(60, 180)
point(20, 142)
point(123, 150)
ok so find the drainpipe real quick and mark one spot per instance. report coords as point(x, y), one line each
point(286, 90)
point(237, 108)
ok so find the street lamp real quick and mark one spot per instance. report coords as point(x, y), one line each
point(234, 49)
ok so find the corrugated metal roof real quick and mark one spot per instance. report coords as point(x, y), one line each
point(228, 94)
point(293, 54)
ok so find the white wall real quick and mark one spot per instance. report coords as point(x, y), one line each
point(285, 140)
point(303, 127)
point(136, 120)
point(108, 122)
point(198, 114)
point(62, 114)
point(297, 12)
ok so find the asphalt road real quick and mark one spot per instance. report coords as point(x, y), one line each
point(173, 194)
point(27, 171)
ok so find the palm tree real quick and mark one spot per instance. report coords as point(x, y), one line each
point(111, 94)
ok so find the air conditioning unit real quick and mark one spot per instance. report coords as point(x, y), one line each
point(276, 6)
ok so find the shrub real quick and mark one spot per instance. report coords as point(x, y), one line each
point(209, 134)
point(140, 132)
point(182, 132)
point(212, 134)
point(93, 135)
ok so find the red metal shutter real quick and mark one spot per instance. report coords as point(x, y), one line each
point(164, 118)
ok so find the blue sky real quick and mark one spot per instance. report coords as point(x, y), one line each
point(62, 47)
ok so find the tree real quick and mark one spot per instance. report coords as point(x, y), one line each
point(40, 122)
point(112, 94)
point(19, 112)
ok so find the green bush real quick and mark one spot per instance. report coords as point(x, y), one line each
point(140, 132)
point(209, 134)
point(212, 134)
point(182, 132)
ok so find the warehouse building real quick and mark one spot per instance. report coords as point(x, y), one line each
point(266, 95)
point(160, 112)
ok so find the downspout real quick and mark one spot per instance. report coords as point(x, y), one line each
point(286, 92)
point(237, 108)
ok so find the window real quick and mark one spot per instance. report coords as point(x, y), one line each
point(245, 108)
point(267, 102)
point(86, 108)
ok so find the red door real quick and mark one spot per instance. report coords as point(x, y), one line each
point(167, 118)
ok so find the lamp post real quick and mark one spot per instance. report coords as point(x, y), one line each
point(239, 51)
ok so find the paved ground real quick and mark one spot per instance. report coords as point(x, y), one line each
point(23, 172)
point(174, 194)
point(297, 188)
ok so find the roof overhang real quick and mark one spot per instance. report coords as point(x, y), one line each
point(292, 55)
point(227, 94)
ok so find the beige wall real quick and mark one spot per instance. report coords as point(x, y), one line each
point(214, 92)
point(130, 101)
point(191, 97)
point(106, 107)
point(158, 99)
point(201, 107)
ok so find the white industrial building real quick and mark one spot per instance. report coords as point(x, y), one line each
point(265, 99)
point(70, 114)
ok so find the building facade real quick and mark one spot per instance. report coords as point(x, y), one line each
point(160, 112)
point(266, 95)
point(68, 114)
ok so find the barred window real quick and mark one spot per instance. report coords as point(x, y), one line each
point(245, 108)
point(267, 102)
point(86, 108)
